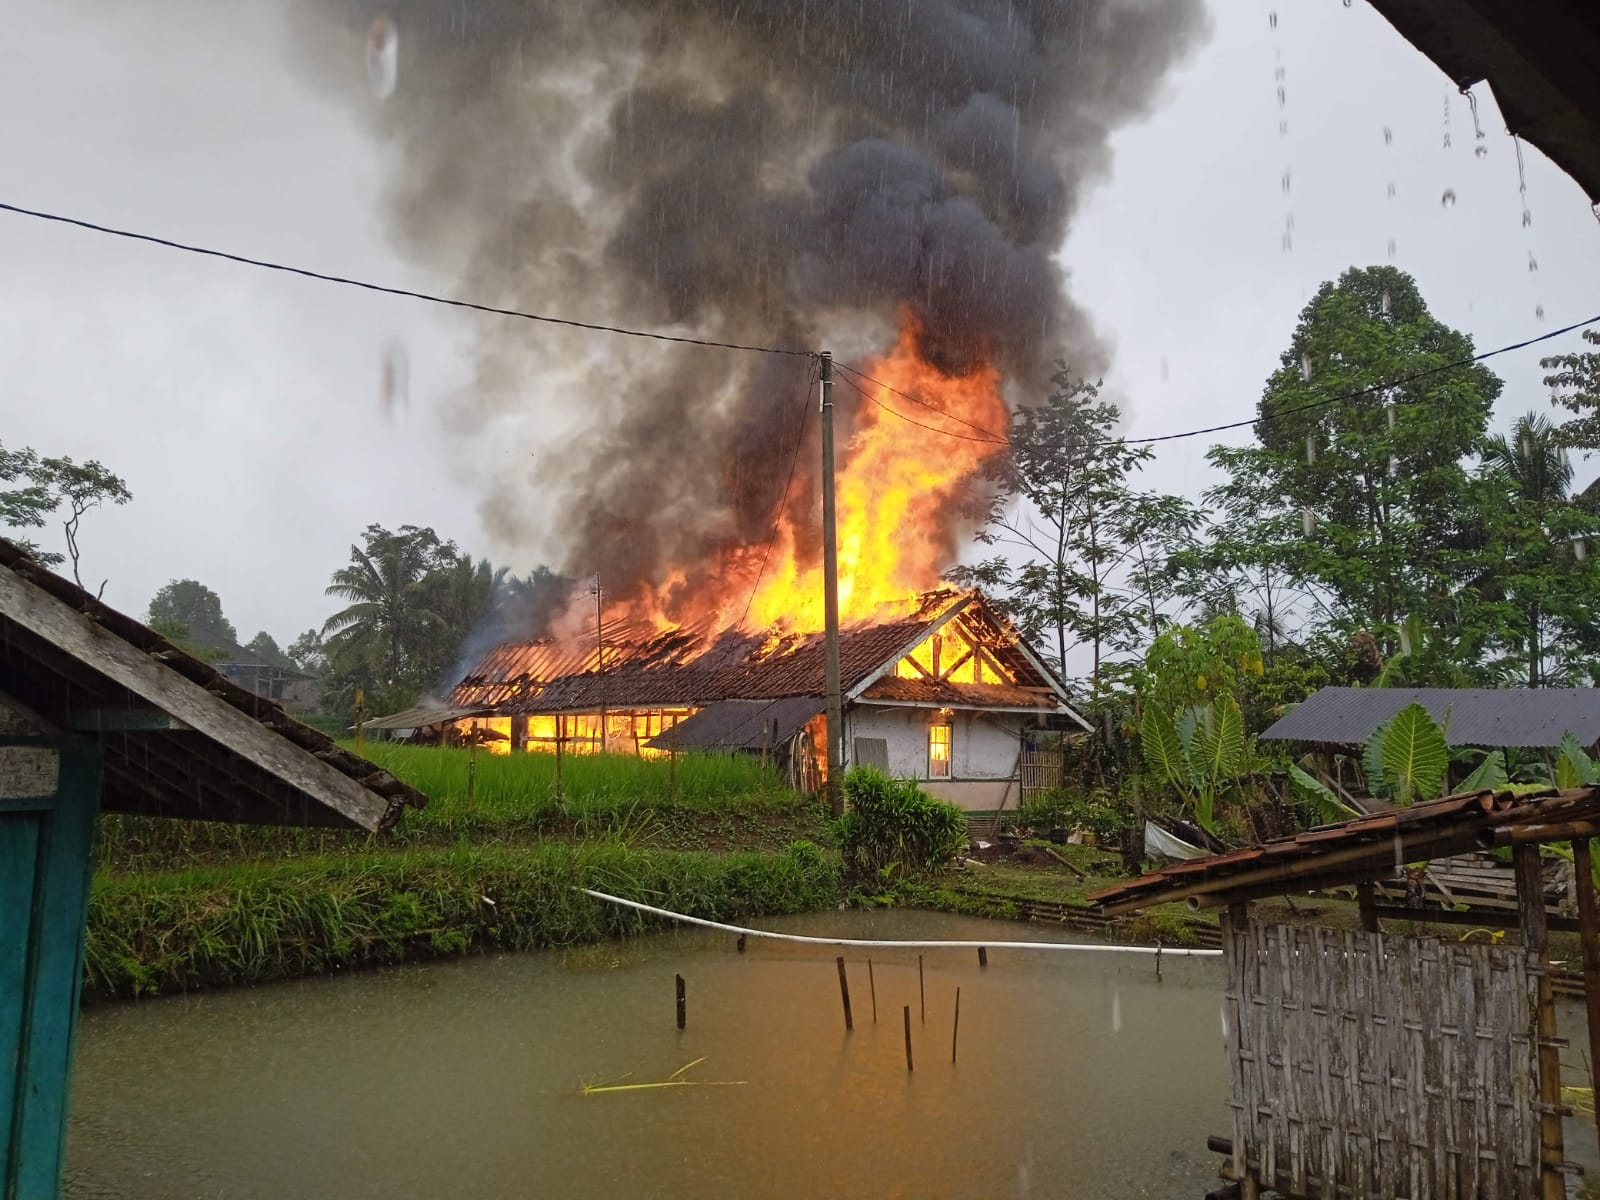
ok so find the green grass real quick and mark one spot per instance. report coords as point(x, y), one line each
point(707, 802)
point(253, 923)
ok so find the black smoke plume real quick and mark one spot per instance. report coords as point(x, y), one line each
point(794, 173)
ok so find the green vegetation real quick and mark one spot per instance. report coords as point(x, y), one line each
point(53, 487)
point(894, 829)
point(250, 923)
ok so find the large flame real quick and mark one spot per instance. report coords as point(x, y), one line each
point(899, 492)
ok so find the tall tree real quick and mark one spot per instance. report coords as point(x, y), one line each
point(1574, 383)
point(1083, 548)
point(265, 646)
point(190, 609)
point(50, 485)
point(1536, 534)
point(387, 585)
point(1362, 435)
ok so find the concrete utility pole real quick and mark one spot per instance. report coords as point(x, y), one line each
point(830, 597)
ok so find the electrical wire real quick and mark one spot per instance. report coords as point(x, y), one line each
point(325, 277)
point(925, 404)
point(919, 424)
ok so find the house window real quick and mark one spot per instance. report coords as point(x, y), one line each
point(938, 752)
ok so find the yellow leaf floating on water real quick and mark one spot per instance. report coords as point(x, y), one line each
point(674, 1080)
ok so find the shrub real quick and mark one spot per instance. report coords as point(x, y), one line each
point(894, 828)
point(1097, 812)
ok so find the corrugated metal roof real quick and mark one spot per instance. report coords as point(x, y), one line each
point(737, 724)
point(1530, 717)
point(420, 716)
point(1361, 848)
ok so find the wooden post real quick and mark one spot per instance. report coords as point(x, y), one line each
point(1366, 900)
point(955, 1029)
point(472, 767)
point(908, 1037)
point(361, 722)
point(1589, 936)
point(922, 994)
point(1530, 905)
point(983, 956)
point(561, 736)
point(873, 987)
point(844, 994)
point(741, 943)
point(683, 1004)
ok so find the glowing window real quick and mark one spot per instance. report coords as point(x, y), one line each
point(938, 752)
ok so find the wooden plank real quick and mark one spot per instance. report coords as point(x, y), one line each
point(19, 855)
point(74, 633)
point(1589, 938)
point(123, 720)
point(1530, 882)
point(28, 772)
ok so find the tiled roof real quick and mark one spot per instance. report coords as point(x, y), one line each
point(959, 695)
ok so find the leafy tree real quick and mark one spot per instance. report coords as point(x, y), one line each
point(178, 634)
point(48, 486)
point(306, 653)
point(1381, 472)
point(1092, 547)
point(190, 606)
point(266, 647)
point(1574, 383)
point(388, 617)
point(1534, 531)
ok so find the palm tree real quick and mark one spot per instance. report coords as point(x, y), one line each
point(1534, 476)
point(385, 583)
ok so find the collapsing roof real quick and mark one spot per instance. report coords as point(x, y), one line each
point(176, 738)
point(694, 666)
point(1525, 717)
point(741, 724)
point(1539, 56)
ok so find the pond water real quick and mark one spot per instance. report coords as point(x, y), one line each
point(1077, 1075)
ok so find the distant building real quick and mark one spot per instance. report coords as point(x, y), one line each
point(281, 684)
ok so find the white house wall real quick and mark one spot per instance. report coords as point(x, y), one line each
point(984, 751)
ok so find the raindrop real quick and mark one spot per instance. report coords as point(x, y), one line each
point(1394, 466)
point(394, 378)
point(1448, 200)
point(1480, 150)
point(1311, 450)
point(1391, 191)
point(1283, 128)
point(1283, 97)
point(1391, 247)
point(383, 51)
point(1288, 222)
point(1272, 19)
point(1116, 1011)
point(1164, 372)
point(1388, 136)
point(1538, 312)
point(1595, 209)
point(1348, 3)
point(1222, 1011)
point(1447, 140)
point(1580, 551)
point(1308, 521)
point(1389, 408)
point(1286, 182)
point(1305, 366)
point(1527, 218)
point(1527, 446)
point(1533, 263)
point(1279, 73)
point(1384, 302)
point(1288, 240)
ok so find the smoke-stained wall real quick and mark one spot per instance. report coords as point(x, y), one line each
point(784, 172)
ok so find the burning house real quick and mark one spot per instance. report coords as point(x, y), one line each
point(942, 690)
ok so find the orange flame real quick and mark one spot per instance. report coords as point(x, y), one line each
point(900, 484)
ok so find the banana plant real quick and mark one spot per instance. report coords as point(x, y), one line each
point(1200, 752)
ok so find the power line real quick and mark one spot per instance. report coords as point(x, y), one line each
point(925, 404)
point(307, 273)
point(988, 441)
point(1367, 391)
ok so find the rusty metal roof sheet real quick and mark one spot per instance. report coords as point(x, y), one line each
point(1536, 717)
point(896, 690)
point(738, 724)
point(1361, 848)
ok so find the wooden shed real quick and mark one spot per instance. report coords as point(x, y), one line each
point(98, 712)
point(1374, 1066)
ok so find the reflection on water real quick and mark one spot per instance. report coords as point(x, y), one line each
point(1078, 1075)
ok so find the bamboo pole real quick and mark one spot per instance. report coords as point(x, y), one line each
point(844, 994)
point(908, 1037)
point(922, 994)
point(1589, 936)
point(683, 1004)
point(1530, 896)
point(955, 1029)
point(872, 986)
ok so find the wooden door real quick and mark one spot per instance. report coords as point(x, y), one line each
point(49, 792)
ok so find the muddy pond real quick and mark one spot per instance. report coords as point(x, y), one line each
point(1077, 1074)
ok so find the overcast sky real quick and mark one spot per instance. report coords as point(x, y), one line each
point(242, 407)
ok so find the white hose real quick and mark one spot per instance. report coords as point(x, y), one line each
point(1105, 947)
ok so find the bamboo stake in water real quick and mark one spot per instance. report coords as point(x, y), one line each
point(908, 1037)
point(844, 994)
point(683, 1004)
point(955, 1030)
point(983, 956)
point(873, 986)
point(922, 994)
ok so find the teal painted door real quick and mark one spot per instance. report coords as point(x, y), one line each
point(45, 864)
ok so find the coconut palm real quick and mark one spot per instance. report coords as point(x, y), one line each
point(386, 583)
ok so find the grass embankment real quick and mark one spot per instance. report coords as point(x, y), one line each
point(251, 923)
point(180, 904)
